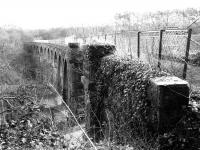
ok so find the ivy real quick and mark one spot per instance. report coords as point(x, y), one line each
point(122, 87)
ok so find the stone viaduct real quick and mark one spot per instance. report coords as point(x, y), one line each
point(70, 63)
point(59, 57)
point(75, 73)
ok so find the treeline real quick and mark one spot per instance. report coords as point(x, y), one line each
point(56, 33)
point(186, 18)
point(14, 35)
point(123, 21)
point(11, 39)
point(181, 19)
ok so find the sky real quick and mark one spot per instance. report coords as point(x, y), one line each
point(45, 14)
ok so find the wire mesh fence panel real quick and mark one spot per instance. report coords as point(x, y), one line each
point(110, 39)
point(122, 44)
point(193, 75)
point(173, 51)
point(193, 71)
point(195, 45)
point(149, 46)
point(101, 38)
point(133, 44)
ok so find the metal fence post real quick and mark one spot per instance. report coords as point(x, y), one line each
point(138, 44)
point(160, 48)
point(187, 53)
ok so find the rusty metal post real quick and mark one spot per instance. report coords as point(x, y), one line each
point(187, 53)
point(138, 44)
point(160, 48)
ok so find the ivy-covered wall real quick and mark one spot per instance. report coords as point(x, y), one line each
point(91, 62)
point(117, 105)
point(123, 101)
point(121, 96)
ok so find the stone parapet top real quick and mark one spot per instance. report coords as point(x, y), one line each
point(169, 80)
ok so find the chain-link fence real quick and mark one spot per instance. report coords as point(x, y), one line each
point(193, 70)
point(173, 51)
point(148, 48)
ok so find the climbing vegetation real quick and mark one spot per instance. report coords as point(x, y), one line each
point(122, 91)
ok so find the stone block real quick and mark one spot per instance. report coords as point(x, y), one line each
point(169, 95)
point(73, 45)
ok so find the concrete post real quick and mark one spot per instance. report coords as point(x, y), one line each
point(169, 96)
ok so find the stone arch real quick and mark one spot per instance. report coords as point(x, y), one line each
point(59, 58)
point(51, 54)
point(37, 50)
point(48, 54)
point(55, 56)
point(41, 50)
point(45, 51)
point(63, 61)
point(59, 76)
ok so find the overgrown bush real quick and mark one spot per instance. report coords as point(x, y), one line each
point(28, 126)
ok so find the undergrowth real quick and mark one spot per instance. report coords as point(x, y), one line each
point(25, 125)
